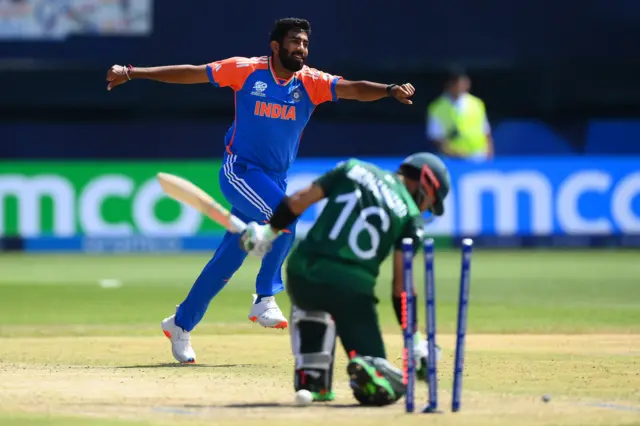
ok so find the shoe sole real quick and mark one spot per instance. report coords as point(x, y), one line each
point(362, 377)
point(168, 335)
point(281, 324)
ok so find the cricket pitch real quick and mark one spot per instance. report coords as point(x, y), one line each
point(74, 352)
point(247, 378)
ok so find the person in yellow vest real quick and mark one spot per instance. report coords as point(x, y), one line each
point(457, 121)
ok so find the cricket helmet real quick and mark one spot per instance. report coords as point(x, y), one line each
point(432, 174)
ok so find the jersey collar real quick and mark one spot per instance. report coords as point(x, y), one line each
point(275, 78)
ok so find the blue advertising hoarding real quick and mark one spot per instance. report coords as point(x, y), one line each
point(515, 202)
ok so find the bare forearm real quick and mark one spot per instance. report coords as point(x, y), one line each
point(303, 199)
point(398, 273)
point(364, 91)
point(293, 206)
point(177, 74)
point(370, 91)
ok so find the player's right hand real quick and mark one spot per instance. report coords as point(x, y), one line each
point(257, 239)
point(117, 75)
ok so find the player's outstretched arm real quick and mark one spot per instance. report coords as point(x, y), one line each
point(176, 74)
point(293, 206)
point(367, 91)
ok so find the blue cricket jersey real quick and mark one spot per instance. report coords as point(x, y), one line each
point(271, 113)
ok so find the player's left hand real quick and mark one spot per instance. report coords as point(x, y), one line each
point(257, 239)
point(403, 92)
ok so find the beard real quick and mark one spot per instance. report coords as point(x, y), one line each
point(288, 61)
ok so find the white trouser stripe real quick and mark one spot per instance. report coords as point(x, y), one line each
point(242, 183)
point(233, 180)
point(243, 188)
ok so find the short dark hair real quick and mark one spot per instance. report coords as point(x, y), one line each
point(455, 74)
point(282, 27)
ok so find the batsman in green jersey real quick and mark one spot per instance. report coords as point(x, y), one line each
point(331, 274)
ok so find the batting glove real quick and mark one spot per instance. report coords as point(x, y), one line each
point(257, 239)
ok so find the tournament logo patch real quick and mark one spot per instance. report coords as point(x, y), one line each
point(259, 88)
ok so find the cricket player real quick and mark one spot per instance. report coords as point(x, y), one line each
point(332, 273)
point(274, 98)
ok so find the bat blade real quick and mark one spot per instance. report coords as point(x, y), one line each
point(186, 192)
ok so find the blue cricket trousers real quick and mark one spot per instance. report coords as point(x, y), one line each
point(254, 195)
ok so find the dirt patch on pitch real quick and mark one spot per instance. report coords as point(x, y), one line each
point(245, 379)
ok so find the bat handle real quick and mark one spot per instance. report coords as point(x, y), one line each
point(238, 225)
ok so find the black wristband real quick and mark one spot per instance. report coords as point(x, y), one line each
point(397, 307)
point(283, 216)
point(389, 87)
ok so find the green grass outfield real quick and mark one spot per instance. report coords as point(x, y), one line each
point(511, 292)
point(74, 352)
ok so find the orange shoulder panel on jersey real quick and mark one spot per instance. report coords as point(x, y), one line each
point(233, 72)
point(320, 86)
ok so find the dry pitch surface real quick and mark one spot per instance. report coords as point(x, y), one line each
point(246, 379)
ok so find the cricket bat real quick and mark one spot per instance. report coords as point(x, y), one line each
point(186, 192)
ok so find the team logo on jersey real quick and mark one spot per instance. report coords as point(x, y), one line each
point(259, 88)
point(296, 95)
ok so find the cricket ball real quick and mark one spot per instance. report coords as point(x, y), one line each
point(303, 397)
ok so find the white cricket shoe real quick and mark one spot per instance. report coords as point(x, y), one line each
point(267, 313)
point(180, 341)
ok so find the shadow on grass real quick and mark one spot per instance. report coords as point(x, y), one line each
point(277, 405)
point(176, 365)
